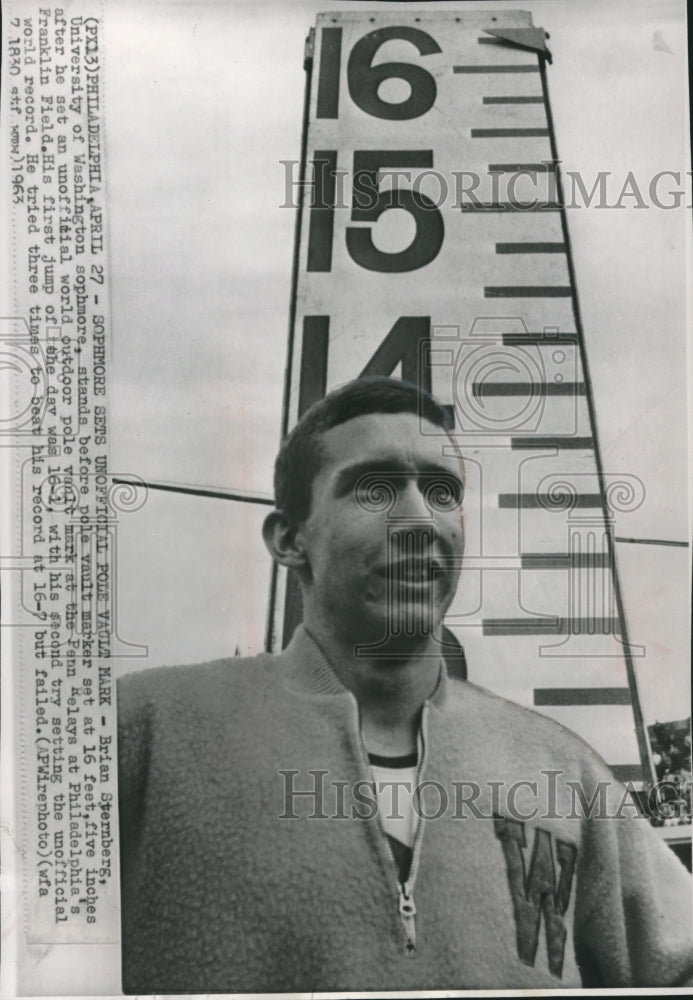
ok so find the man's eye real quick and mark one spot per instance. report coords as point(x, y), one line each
point(375, 492)
point(442, 492)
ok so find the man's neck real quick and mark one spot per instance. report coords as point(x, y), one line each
point(390, 690)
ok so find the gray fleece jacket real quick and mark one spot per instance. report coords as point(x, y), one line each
point(530, 869)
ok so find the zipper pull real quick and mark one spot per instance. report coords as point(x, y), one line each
point(407, 912)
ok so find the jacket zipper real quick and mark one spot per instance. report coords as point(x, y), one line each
point(406, 906)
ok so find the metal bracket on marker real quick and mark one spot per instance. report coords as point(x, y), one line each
point(525, 38)
point(309, 49)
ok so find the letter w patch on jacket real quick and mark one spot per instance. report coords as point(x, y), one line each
point(539, 893)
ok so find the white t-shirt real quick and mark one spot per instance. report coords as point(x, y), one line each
point(395, 780)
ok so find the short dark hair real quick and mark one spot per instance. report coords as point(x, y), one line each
point(300, 454)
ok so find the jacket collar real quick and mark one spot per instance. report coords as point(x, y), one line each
point(308, 669)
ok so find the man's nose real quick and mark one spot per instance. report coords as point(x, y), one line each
point(411, 505)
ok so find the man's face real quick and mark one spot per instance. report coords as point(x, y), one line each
point(384, 537)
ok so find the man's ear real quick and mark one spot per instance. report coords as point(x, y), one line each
point(283, 540)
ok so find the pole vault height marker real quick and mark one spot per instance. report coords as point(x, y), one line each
point(432, 245)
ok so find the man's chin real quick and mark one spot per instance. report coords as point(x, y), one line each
point(406, 630)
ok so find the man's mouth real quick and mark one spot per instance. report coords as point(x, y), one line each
point(411, 571)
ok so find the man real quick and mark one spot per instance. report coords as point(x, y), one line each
point(269, 840)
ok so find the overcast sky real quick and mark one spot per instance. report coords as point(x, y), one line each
point(203, 102)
